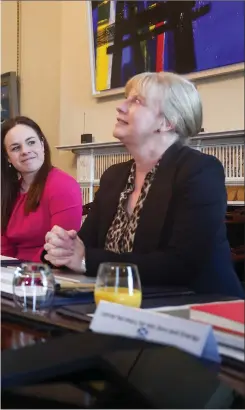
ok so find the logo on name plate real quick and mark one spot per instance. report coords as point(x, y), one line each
point(142, 332)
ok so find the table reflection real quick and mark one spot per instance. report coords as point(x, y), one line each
point(15, 337)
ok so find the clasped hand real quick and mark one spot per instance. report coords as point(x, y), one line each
point(64, 248)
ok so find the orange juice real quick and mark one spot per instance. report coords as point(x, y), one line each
point(118, 295)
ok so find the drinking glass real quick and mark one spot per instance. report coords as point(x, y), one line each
point(118, 283)
point(33, 287)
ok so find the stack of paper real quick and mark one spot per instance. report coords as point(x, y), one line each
point(7, 275)
point(6, 258)
point(228, 345)
point(67, 281)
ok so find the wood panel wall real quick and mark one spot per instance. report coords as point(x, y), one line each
point(235, 193)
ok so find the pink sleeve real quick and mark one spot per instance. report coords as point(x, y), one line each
point(7, 249)
point(65, 205)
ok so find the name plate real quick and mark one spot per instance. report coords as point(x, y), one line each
point(192, 337)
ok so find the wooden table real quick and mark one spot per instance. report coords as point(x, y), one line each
point(15, 335)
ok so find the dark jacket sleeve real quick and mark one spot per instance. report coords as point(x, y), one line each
point(200, 206)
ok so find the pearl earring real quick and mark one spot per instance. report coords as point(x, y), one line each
point(10, 165)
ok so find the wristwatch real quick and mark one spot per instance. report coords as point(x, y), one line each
point(83, 265)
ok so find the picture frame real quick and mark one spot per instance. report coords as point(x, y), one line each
point(236, 66)
point(9, 96)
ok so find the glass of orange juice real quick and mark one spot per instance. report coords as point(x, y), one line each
point(118, 283)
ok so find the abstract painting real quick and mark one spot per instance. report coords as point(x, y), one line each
point(129, 37)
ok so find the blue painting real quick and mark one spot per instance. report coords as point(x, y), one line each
point(185, 37)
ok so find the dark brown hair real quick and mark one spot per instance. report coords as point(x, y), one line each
point(10, 185)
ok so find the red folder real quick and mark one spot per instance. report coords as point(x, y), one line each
point(224, 316)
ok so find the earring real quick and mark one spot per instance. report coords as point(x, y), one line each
point(10, 165)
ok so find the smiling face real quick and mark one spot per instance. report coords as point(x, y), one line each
point(136, 120)
point(24, 149)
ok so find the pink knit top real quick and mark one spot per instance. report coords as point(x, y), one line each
point(60, 204)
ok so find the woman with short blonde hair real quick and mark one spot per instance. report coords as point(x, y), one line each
point(176, 98)
point(164, 210)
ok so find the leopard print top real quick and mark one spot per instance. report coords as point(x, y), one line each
point(120, 236)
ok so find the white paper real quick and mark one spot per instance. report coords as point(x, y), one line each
point(6, 258)
point(192, 337)
point(233, 353)
point(222, 338)
point(74, 278)
point(229, 340)
point(7, 274)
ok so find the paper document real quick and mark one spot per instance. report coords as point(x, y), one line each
point(228, 345)
point(7, 275)
point(6, 258)
point(229, 340)
point(233, 353)
point(81, 281)
point(75, 279)
point(192, 337)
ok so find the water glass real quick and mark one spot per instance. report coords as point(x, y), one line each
point(33, 287)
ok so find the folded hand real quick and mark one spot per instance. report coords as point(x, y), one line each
point(64, 248)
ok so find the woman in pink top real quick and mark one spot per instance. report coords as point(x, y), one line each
point(35, 196)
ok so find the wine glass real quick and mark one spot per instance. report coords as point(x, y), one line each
point(33, 287)
point(118, 283)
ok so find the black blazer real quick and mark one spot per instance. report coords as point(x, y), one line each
point(181, 237)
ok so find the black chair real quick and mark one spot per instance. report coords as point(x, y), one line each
point(87, 208)
point(235, 222)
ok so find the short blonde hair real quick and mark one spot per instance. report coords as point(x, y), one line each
point(176, 97)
